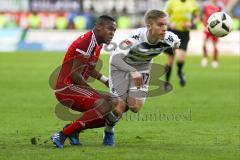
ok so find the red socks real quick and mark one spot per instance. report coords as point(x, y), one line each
point(90, 119)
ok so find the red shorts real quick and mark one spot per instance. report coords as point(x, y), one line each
point(207, 36)
point(77, 97)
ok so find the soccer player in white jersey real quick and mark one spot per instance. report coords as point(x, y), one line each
point(130, 66)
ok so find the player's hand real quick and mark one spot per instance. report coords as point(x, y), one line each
point(177, 43)
point(137, 78)
point(187, 25)
point(172, 25)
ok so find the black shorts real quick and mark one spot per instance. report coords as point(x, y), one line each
point(184, 36)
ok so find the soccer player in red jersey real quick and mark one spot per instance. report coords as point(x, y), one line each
point(72, 89)
point(208, 9)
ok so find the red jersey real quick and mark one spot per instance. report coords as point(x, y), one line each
point(208, 9)
point(86, 50)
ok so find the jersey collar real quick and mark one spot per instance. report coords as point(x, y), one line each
point(94, 38)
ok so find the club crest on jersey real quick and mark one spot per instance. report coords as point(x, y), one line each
point(126, 44)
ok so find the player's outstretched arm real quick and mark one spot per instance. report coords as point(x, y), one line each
point(118, 62)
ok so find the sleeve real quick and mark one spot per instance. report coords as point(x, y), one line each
point(173, 40)
point(118, 56)
point(118, 61)
point(83, 46)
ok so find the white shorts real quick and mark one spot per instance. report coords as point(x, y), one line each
point(122, 85)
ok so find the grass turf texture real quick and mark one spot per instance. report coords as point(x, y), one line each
point(198, 122)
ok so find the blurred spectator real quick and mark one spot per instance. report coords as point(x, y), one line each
point(124, 21)
point(236, 10)
point(80, 22)
point(91, 17)
point(34, 20)
point(70, 17)
point(114, 13)
point(61, 22)
point(236, 23)
point(47, 20)
point(11, 20)
point(3, 20)
point(236, 16)
point(23, 20)
point(84, 18)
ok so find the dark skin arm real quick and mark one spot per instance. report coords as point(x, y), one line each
point(96, 74)
point(78, 78)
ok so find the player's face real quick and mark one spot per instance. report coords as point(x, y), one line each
point(107, 32)
point(158, 28)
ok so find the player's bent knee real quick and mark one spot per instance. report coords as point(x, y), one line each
point(119, 108)
point(135, 109)
point(135, 105)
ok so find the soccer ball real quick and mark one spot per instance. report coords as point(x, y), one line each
point(219, 24)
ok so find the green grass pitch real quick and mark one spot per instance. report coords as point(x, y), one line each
point(198, 122)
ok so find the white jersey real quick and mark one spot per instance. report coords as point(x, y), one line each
point(138, 50)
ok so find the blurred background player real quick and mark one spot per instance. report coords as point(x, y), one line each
point(182, 14)
point(208, 9)
point(130, 67)
point(71, 88)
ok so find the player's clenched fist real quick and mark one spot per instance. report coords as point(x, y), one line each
point(137, 78)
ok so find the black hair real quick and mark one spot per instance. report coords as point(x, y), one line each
point(104, 18)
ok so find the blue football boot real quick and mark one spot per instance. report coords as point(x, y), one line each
point(58, 139)
point(108, 138)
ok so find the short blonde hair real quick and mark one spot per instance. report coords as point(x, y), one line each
point(153, 15)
